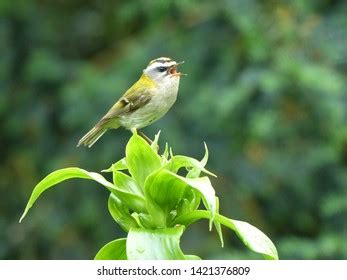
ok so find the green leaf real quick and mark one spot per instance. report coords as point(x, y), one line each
point(154, 145)
point(164, 191)
point(119, 165)
point(114, 250)
point(190, 203)
point(183, 207)
point(122, 180)
point(144, 220)
point(217, 224)
point(165, 156)
point(204, 187)
point(59, 176)
point(141, 159)
point(205, 158)
point(126, 183)
point(159, 244)
point(194, 165)
point(133, 201)
point(252, 238)
point(120, 213)
point(195, 171)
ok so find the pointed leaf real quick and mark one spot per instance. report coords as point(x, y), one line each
point(120, 213)
point(165, 155)
point(122, 180)
point(204, 187)
point(154, 144)
point(195, 171)
point(133, 201)
point(119, 165)
point(196, 167)
point(164, 190)
point(114, 250)
point(252, 238)
point(159, 244)
point(59, 176)
point(141, 159)
point(217, 224)
point(126, 183)
point(144, 221)
point(183, 207)
point(205, 158)
point(171, 153)
point(190, 203)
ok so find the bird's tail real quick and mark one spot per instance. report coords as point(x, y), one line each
point(92, 136)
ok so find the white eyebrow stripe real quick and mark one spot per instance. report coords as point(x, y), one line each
point(161, 59)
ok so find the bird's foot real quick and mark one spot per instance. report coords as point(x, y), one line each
point(149, 141)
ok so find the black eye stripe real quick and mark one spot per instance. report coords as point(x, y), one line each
point(162, 68)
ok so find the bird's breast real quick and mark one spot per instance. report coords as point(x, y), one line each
point(163, 97)
point(166, 94)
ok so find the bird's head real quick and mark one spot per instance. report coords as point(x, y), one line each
point(162, 69)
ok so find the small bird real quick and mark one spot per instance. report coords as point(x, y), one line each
point(143, 103)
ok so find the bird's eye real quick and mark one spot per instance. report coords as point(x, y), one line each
point(162, 69)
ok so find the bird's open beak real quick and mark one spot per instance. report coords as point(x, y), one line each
point(173, 70)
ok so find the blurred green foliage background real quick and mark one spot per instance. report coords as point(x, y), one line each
point(266, 89)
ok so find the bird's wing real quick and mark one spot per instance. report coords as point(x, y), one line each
point(135, 97)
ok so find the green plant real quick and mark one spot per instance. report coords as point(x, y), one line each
point(154, 204)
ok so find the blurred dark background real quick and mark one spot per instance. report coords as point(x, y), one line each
point(266, 89)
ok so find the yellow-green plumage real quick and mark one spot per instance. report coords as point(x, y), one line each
point(133, 98)
point(143, 103)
